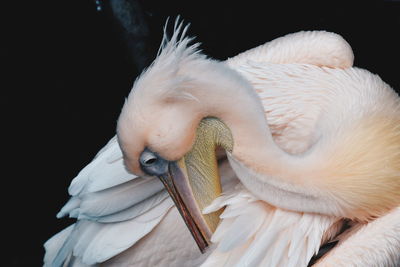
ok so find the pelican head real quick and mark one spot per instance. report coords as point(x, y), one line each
point(164, 130)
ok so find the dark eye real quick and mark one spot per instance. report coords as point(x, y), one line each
point(148, 158)
point(153, 164)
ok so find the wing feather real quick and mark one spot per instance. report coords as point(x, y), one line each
point(54, 244)
point(241, 230)
point(119, 197)
point(133, 211)
point(254, 233)
point(114, 210)
point(114, 238)
point(70, 207)
point(105, 171)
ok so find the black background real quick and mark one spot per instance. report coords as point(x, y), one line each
point(67, 67)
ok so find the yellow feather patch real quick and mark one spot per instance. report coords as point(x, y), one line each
point(363, 172)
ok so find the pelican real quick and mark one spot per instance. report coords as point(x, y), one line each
point(313, 145)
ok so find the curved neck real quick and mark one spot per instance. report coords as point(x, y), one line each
point(267, 170)
point(236, 103)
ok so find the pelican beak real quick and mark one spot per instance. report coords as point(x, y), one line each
point(193, 182)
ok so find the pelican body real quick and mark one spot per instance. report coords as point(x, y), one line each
point(313, 145)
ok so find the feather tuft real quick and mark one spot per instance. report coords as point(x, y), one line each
point(263, 235)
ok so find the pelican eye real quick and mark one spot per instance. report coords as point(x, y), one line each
point(148, 158)
point(152, 164)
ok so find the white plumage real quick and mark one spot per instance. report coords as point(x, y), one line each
point(253, 233)
point(108, 203)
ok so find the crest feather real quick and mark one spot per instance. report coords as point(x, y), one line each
point(167, 77)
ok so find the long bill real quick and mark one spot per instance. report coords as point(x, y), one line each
point(194, 182)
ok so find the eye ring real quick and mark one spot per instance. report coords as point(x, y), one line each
point(152, 164)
